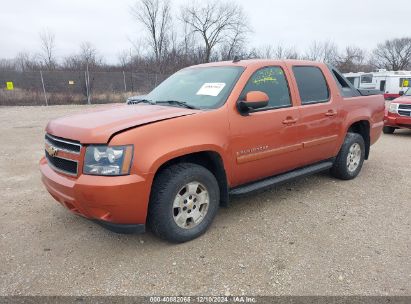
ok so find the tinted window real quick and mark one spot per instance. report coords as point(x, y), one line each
point(351, 79)
point(366, 78)
point(272, 81)
point(340, 79)
point(311, 84)
point(346, 89)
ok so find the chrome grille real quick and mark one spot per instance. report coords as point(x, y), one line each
point(404, 106)
point(66, 156)
point(404, 113)
point(63, 165)
point(404, 110)
point(63, 144)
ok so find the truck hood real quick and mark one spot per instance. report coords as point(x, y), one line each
point(403, 99)
point(96, 126)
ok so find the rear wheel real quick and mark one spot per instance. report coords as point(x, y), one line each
point(350, 159)
point(184, 201)
point(388, 130)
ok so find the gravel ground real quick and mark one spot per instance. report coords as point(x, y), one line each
point(313, 236)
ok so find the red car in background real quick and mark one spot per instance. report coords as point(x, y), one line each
point(398, 114)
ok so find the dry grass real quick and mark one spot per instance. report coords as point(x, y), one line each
point(19, 97)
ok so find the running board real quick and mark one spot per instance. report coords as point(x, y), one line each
point(280, 179)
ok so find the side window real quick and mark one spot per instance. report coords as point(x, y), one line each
point(272, 81)
point(366, 78)
point(311, 84)
point(340, 79)
point(352, 80)
point(346, 88)
point(405, 82)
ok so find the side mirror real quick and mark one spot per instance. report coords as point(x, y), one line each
point(253, 100)
point(401, 93)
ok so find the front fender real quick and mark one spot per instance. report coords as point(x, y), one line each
point(160, 142)
point(170, 155)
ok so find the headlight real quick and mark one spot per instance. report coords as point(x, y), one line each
point(108, 160)
point(393, 108)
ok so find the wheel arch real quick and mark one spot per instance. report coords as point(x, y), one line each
point(210, 160)
point(362, 127)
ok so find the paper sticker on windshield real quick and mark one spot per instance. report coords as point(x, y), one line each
point(211, 89)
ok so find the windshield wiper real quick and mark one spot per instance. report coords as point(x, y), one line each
point(178, 103)
point(132, 100)
point(136, 101)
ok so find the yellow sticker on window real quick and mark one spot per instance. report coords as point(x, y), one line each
point(9, 85)
point(264, 76)
point(406, 83)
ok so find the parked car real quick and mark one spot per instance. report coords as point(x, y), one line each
point(171, 158)
point(398, 114)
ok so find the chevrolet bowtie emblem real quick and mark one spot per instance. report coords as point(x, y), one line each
point(52, 151)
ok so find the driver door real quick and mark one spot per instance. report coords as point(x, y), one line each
point(266, 142)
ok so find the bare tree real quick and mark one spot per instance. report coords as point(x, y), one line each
point(281, 52)
point(155, 16)
point(7, 64)
point(235, 41)
point(266, 52)
point(124, 59)
point(87, 57)
point(47, 40)
point(393, 54)
point(25, 61)
point(214, 22)
point(326, 51)
point(189, 42)
point(353, 59)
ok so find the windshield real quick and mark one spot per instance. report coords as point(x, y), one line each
point(205, 87)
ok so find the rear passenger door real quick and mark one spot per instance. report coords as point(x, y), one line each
point(319, 117)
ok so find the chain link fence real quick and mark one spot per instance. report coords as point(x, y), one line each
point(72, 87)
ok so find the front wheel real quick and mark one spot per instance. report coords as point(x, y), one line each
point(184, 201)
point(350, 159)
point(388, 130)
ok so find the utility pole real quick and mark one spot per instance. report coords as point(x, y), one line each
point(44, 88)
point(124, 79)
point(88, 85)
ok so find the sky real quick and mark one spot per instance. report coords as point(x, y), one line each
point(110, 27)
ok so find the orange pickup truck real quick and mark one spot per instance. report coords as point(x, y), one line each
point(171, 158)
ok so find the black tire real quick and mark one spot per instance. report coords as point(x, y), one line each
point(388, 130)
point(340, 168)
point(166, 186)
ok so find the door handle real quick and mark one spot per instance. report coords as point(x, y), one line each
point(290, 121)
point(331, 113)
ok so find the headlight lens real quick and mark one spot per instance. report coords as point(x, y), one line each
point(108, 160)
point(393, 108)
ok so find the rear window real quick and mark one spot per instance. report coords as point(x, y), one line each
point(312, 85)
point(346, 88)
